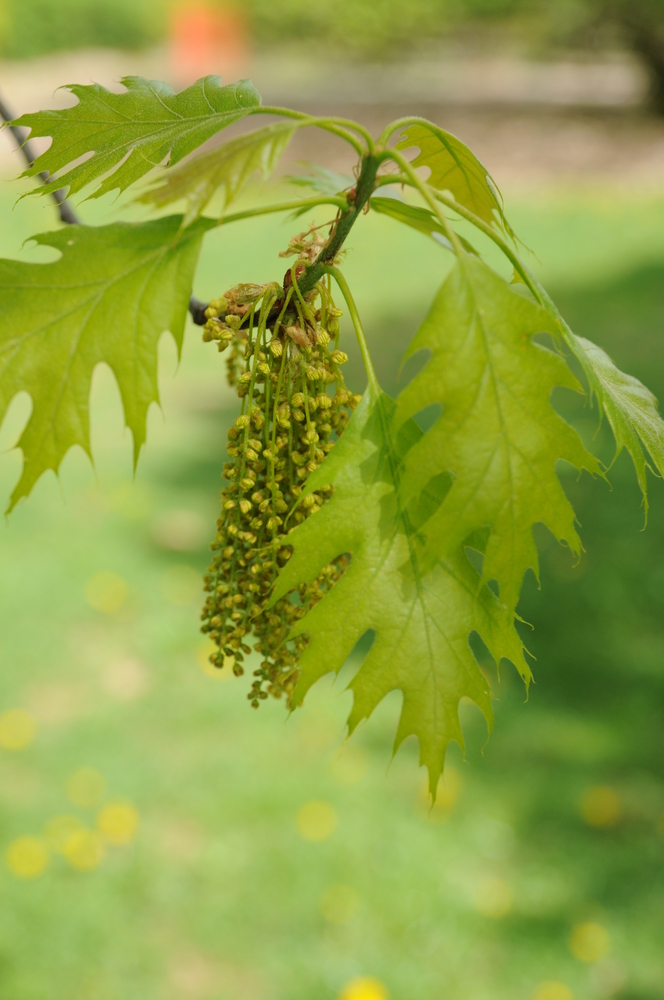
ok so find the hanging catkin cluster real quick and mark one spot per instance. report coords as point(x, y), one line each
point(285, 362)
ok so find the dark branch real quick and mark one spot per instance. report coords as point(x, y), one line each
point(67, 213)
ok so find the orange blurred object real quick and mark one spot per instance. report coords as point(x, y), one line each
point(207, 39)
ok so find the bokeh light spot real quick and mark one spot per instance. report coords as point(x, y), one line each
point(552, 990)
point(224, 673)
point(493, 898)
point(447, 795)
point(589, 942)
point(59, 829)
point(17, 729)
point(27, 857)
point(118, 822)
point(106, 592)
point(84, 850)
point(601, 806)
point(85, 787)
point(349, 766)
point(364, 988)
point(126, 679)
point(339, 904)
point(317, 820)
point(181, 585)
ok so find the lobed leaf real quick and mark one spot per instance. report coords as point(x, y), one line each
point(628, 405)
point(108, 298)
point(498, 435)
point(324, 181)
point(422, 623)
point(454, 168)
point(132, 132)
point(226, 169)
point(418, 218)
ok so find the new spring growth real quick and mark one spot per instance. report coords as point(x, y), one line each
point(294, 405)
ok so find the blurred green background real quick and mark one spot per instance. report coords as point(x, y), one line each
point(270, 860)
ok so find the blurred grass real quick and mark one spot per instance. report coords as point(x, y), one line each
point(221, 896)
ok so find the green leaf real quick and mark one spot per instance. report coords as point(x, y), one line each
point(418, 218)
point(324, 181)
point(225, 169)
point(132, 132)
point(630, 408)
point(498, 434)
point(107, 299)
point(456, 169)
point(421, 623)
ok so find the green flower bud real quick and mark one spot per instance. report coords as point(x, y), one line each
point(323, 401)
point(276, 347)
point(297, 399)
point(245, 506)
point(242, 421)
point(245, 378)
point(339, 357)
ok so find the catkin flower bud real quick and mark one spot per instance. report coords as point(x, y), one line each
point(323, 401)
point(322, 336)
point(245, 378)
point(276, 347)
point(297, 399)
point(339, 357)
point(245, 506)
point(264, 368)
point(229, 504)
point(309, 500)
point(242, 421)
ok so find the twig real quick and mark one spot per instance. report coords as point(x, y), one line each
point(67, 213)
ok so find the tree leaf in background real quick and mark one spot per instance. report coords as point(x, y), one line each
point(628, 405)
point(225, 169)
point(418, 218)
point(421, 623)
point(456, 169)
point(108, 298)
point(498, 434)
point(324, 181)
point(132, 132)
